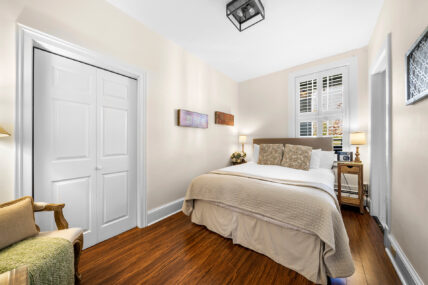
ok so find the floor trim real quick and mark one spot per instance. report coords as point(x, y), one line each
point(164, 211)
point(402, 265)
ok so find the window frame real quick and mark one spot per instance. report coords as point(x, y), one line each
point(349, 69)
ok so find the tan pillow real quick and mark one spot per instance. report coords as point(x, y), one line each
point(297, 156)
point(17, 222)
point(270, 154)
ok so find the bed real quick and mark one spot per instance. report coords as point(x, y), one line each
point(289, 215)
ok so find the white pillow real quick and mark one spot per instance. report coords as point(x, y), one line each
point(315, 158)
point(327, 159)
point(256, 151)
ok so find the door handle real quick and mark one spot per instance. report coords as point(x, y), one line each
point(98, 167)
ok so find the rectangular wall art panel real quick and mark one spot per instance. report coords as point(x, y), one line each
point(192, 119)
point(417, 70)
point(224, 119)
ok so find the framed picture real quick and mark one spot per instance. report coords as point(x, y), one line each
point(417, 70)
point(345, 156)
point(192, 119)
point(224, 119)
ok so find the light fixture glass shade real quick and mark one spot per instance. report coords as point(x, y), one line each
point(242, 139)
point(358, 138)
point(3, 133)
point(245, 13)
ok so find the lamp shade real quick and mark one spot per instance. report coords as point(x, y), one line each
point(242, 139)
point(358, 138)
point(3, 133)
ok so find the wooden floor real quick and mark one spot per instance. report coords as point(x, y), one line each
point(175, 251)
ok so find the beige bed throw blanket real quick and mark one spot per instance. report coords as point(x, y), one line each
point(307, 206)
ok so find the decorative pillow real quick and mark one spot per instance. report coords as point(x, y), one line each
point(270, 154)
point(16, 222)
point(256, 152)
point(297, 156)
point(327, 159)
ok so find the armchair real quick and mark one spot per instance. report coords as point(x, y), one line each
point(74, 235)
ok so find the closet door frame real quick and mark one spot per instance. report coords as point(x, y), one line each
point(27, 40)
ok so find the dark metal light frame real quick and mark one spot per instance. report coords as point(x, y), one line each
point(233, 6)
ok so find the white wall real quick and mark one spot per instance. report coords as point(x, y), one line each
point(406, 20)
point(176, 79)
point(263, 102)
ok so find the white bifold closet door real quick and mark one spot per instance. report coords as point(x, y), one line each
point(85, 145)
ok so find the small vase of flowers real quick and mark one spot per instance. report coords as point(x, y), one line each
point(238, 157)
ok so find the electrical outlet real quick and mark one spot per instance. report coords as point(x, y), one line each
point(393, 252)
point(366, 189)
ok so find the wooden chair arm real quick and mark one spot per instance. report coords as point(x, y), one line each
point(61, 222)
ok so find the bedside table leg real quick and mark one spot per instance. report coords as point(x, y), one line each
point(339, 186)
point(360, 190)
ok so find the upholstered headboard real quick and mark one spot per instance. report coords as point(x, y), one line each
point(322, 143)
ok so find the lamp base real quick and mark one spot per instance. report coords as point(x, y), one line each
point(357, 155)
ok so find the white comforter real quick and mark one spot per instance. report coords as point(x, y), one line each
point(319, 176)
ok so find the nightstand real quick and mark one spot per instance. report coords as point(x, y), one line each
point(351, 168)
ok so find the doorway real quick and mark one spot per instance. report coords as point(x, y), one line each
point(380, 136)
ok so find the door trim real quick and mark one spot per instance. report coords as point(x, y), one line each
point(383, 63)
point(27, 39)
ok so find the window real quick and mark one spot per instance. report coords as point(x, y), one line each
point(321, 105)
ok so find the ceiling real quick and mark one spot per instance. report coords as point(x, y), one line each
point(294, 32)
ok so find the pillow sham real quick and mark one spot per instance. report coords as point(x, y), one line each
point(270, 154)
point(315, 159)
point(17, 222)
point(327, 159)
point(256, 151)
point(297, 156)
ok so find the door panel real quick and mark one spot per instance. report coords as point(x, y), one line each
point(115, 134)
point(115, 197)
point(65, 140)
point(70, 137)
point(84, 146)
point(117, 163)
point(75, 192)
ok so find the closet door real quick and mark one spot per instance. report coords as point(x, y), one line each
point(116, 153)
point(65, 94)
point(85, 146)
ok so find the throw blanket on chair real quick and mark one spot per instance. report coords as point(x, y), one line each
point(49, 260)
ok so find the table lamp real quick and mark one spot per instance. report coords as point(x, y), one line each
point(358, 138)
point(242, 140)
point(3, 133)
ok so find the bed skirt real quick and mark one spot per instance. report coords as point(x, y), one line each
point(294, 249)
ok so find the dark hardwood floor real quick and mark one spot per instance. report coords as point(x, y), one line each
point(175, 251)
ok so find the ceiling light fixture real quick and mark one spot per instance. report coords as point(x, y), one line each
point(245, 13)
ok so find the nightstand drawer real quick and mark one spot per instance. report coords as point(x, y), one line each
point(350, 169)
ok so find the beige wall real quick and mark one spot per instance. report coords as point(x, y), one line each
point(176, 79)
point(263, 101)
point(406, 20)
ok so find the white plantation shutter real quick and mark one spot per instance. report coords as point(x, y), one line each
point(321, 105)
point(307, 96)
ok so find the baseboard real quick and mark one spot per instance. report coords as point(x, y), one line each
point(164, 211)
point(401, 263)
